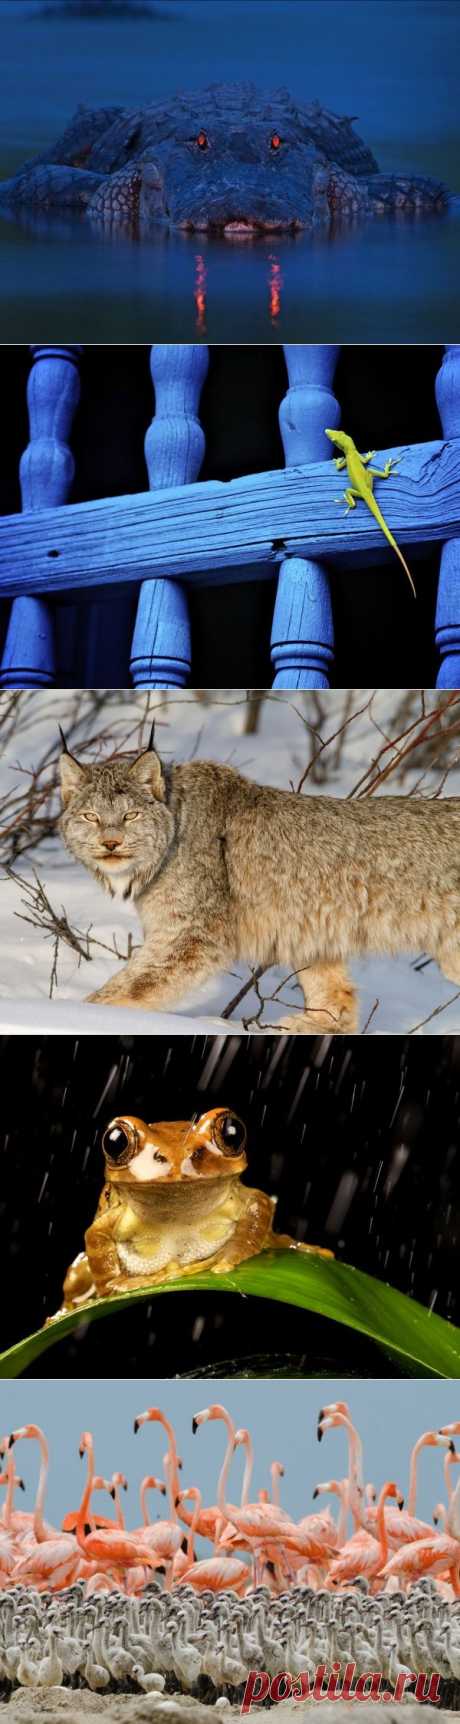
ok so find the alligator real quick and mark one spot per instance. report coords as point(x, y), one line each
point(229, 159)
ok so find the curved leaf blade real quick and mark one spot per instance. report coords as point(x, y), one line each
point(423, 1344)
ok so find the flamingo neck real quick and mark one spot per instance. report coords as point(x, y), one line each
point(343, 1512)
point(381, 1526)
point(412, 1492)
point(355, 1474)
point(226, 1509)
point(84, 1505)
point(120, 1519)
point(39, 1525)
point(8, 1510)
point(143, 1496)
point(248, 1466)
point(193, 1524)
point(172, 1481)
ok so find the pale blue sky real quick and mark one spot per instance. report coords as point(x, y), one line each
point(281, 1415)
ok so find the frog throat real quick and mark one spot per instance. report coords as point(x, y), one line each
point(172, 1200)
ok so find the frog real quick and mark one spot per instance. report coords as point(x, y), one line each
point(172, 1203)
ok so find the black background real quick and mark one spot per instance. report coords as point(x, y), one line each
point(387, 398)
point(385, 1112)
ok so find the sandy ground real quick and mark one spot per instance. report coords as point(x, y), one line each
point(54, 1704)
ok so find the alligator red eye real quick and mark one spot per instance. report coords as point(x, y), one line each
point(202, 141)
point(276, 141)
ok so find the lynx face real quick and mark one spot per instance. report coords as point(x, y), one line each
point(116, 820)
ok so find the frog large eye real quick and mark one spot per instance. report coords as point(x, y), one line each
point(231, 1134)
point(119, 1143)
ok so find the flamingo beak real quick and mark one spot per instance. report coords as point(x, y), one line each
point(315, 1492)
point(194, 1426)
point(112, 1494)
point(11, 1440)
point(136, 1427)
point(21, 1484)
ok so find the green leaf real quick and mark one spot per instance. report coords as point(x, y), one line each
point(422, 1344)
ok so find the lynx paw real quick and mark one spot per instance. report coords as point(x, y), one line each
point(339, 1017)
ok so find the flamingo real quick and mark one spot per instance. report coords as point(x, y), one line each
point(37, 1526)
point(217, 1573)
point(337, 1487)
point(365, 1556)
point(434, 1555)
point(263, 1524)
point(97, 1519)
point(401, 1527)
point(11, 1519)
point(111, 1548)
point(164, 1539)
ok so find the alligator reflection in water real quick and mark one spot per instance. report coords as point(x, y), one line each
point(275, 285)
point(356, 280)
point(200, 293)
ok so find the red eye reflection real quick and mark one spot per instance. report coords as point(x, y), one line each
point(276, 141)
point(202, 141)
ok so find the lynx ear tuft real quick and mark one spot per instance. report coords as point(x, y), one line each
point(72, 777)
point(148, 771)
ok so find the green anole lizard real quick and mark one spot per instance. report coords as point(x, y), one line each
point(361, 477)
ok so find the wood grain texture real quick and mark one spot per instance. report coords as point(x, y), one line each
point(161, 652)
point(447, 621)
point(302, 639)
point(215, 532)
point(46, 473)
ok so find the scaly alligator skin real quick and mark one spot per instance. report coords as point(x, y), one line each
point(230, 159)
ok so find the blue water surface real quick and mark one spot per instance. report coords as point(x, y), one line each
point(392, 63)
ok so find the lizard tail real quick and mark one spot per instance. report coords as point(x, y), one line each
point(404, 564)
point(391, 541)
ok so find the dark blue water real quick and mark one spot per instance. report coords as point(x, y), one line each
point(393, 63)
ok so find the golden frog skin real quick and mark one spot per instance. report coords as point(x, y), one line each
point(172, 1204)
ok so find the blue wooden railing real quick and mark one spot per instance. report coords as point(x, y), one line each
point(183, 532)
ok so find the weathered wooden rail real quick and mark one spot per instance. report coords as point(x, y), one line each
point(183, 532)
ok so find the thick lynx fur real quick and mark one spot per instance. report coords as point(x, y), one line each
point(222, 869)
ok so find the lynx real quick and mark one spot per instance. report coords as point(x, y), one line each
point(222, 869)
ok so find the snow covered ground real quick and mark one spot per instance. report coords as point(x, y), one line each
point(397, 995)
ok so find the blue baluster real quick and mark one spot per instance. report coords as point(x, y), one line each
point(302, 642)
point(174, 448)
point(46, 473)
point(447, 622)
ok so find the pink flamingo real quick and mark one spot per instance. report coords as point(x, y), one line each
point(435, 1555)
point(11, 1519)
point(217, 1573)
point(429, 1439)
point(36, 1524)
point(96, 1518)
point(110, 1548)
point(150, 1483)
point(165, 1537)
point(365, 1555)
point(263, 1524)
point(401, 1526)
point(339, 1488)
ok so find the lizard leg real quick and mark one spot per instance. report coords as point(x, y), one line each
point(340, 461)
point(368, 457)
point(348, 497)
point(391, 466)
